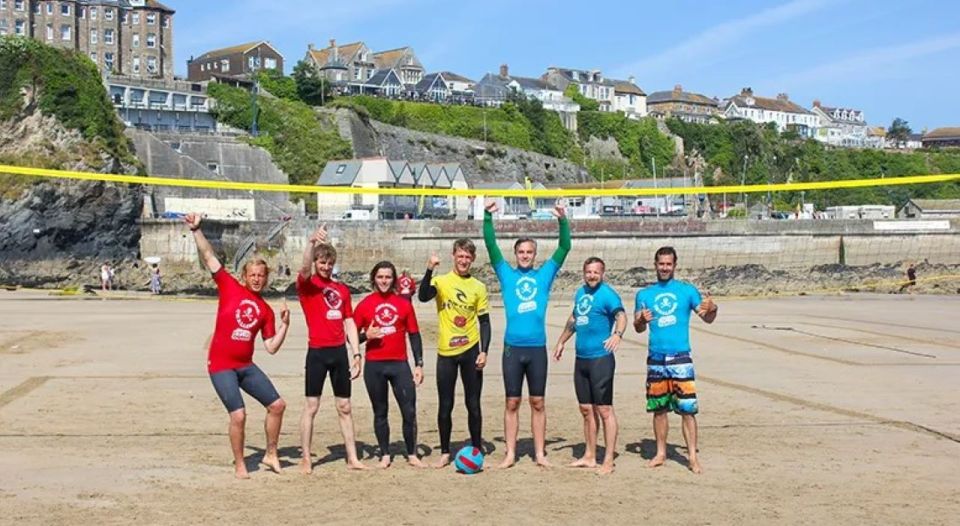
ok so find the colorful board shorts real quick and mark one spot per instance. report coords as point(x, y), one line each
point(670, 384)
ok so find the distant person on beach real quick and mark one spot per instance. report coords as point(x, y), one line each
point(106, 276)
point(241, 314)
point(911, 279)
point(665, 307)
point(155, 284)
point(406, 285)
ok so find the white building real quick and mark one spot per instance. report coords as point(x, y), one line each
point(860, 212)
point(840, 126)
point(494, 90)
point(780, 111)
point(611, 94)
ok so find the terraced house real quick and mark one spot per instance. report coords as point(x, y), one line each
point(355, 69)
point(124, 37)
point(781, 111)
point(614, 95)
point(684, 105)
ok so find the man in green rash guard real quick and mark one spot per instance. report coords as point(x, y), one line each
point(525, 291)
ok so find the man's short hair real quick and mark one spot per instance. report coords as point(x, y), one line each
point(665, 251)
point(324, 251)
point(465, 244)
point(593, 259)
point(256, 261)
point(523, 240)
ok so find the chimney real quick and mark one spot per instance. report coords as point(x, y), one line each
point(333, 42)
point(783, 97)
point(631, 79)
point(816, 103)
point(504, 71)
point(747, 92)
point(677, 88)
point(310, 46)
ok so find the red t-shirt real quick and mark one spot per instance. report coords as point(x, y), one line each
point(240, 315)
point(395, 317)
point(325, 305)
point(406, 286)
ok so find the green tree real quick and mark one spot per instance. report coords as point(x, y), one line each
point(311, 88)
point(278, 85)
point(573, 92)
point(899, 131)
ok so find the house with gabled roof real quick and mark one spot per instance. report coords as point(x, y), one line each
point(941, 138)
point(404, 61)
point(684, 105)
point(930, 209)
point(615, 95)
point(239, 61)
point(495, 89)
point(840, 126)
point(383, 83)
point(402, 174)
point(781, 111)
point(348, 66)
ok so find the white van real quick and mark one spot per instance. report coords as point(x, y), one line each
point(356, 215)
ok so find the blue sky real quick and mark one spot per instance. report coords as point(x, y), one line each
point(890, 58)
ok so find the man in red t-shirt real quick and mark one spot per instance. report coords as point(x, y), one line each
point(406, 285)
point(241, 314)
point(329, 314)
point(386, 320)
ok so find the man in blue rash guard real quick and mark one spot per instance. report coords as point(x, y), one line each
point(525, 290)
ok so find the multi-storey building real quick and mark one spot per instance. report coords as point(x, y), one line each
point(128, 37)
point(241, 61)
point(622, 96)
point(780, 111)
point(685, 105)
point(840, 126)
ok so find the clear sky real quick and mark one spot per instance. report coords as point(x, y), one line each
point(889, 58)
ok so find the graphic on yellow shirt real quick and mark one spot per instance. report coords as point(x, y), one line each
point(459, 303)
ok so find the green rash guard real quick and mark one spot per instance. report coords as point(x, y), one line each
point(496, 256)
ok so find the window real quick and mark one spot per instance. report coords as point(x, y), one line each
point(202, 68)
point(151, 40)
point(151, 64)
point(64, 32)
point(108, 14)
point(49, 31)
point(166, 21)
point(93, 13)
point(213, 166)
point(3, 4)
point(152, 18)
point(135, 18)
point(136, 64)
point(83, 12)
point(270, 63)
point(108, 36)
point(253, 63)
point(93, 56)
point(93, 36)
point(136, 40)
point(357, 72)
point(18, 5)
point(18, 27)
point(65, 9)
point(224, 65)
point(108, 60)
point(3, 27)
point(49, 8)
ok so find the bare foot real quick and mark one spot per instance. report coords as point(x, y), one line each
point(306, 466)
point(657, 461)
point(605, 469)
point(543, 462)
point(356, 465)
point(241, 471)
point(443, 462)
point(272, 462)
point(508, 462)
point(414, 461)
point(385, 462)
point(584, 463)
point(695, 466)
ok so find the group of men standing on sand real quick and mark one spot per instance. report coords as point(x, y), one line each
point(385, 323)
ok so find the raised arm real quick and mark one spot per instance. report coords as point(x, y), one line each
point(204, 248)
point(568, 330)
point(707, 310)
point(318, 237)
point(642, 318)
point(563, 247)
point(427, 291)
point(490, 235)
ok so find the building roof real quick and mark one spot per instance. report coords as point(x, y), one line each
point(531, 83)
point(428, 80)
point(153, 4)
point(326, 55)
point(620, 184)
point(381, 77)
point(624, 86)
point(340, 173)
point(932, 205)
point(453, 77)
point(232, 50)
point(746, 99)
point(392, 58)
point(676, 95)
point(943, 133)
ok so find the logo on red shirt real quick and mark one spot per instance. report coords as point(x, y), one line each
point(332, 297)
point(248, 312)
point(385, 315)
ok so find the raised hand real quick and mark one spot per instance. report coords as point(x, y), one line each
point(707, 305)
point(320, 235)
point(192, 220)
point(559, 210)
point(284, 313)
point(433, 261)
point(490, 205)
